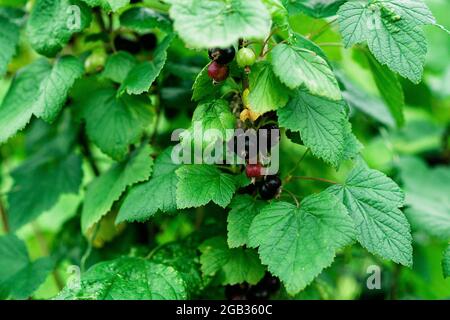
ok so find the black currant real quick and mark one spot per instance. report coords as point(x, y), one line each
point(148, 41)
point(222, 56)
point(266, 193)
point(124, 44)
point(273, 182)
point(217, 71)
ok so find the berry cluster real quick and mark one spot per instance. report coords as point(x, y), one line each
point(146, 42)
point(268, 286)
point(218, 69)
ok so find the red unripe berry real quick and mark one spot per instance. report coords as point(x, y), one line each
point(218, 72)
point(253, 170)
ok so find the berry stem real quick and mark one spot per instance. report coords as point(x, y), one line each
point(293, 196)
point(263, 49)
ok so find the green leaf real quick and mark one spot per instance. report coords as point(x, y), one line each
point(398, 43)
point(372, 199)
point(109, 186)
point(112, 123)
point(214, 114)
point(141, 77)
point(243, 209)
point(367, 103)
point(144, 200)
point(37, 89)
point(415, 10)
point(296, 66)
point(267, 93)
point(298, 243)
point(233, 265)
point(446, 262)
point(17, 106)
point(40, 182)
point(128, 278)
point(200, 184)
point(53, 22)
point(142, 20)
point(118, 66)
point(313, 8)
point(321, 123)
point(108, 5)
point(20, 277)
point(184, 257)
point(427, 193)
point(203, 86)
point(9, 38)
point(55, 87)
point(219, 23)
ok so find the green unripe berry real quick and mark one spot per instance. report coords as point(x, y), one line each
point(245, 57)
point(95, 62)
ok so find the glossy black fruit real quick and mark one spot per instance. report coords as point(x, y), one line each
point(266, 192)
point(273, 182)
point(124, 44)
point(148, 41)
point(222, 56)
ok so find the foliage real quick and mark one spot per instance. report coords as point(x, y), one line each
point(92, 92)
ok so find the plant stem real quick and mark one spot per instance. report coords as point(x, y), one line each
point(330, 44)
point(319, 32)
point(293, 197)
point(88, 251)
point(289, 175)
point(4, 217)
point(314, 179)
point(46, 252)
point(263, 49)
point(86, 151)
point(99, 19)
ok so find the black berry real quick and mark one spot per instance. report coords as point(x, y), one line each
point(217, 71)
point(273, 182)
point(148, 41)
point(222, 56)
point(266, 193)
point(124, 44)
point(270, 187)
point(253, 170)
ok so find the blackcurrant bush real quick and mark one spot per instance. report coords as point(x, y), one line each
point(124, 44)
point(245, 57)
point(148, 41)
point(217, 71)
point(222, 56)
point(253, 170)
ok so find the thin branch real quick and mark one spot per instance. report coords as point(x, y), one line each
point(86, 151)
point(289, 175)
point(263, 49)
point(46, 252)
point(293, 197)
point(319, 32)
point(314, 179)
point(4, 217)
point(330, 44)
